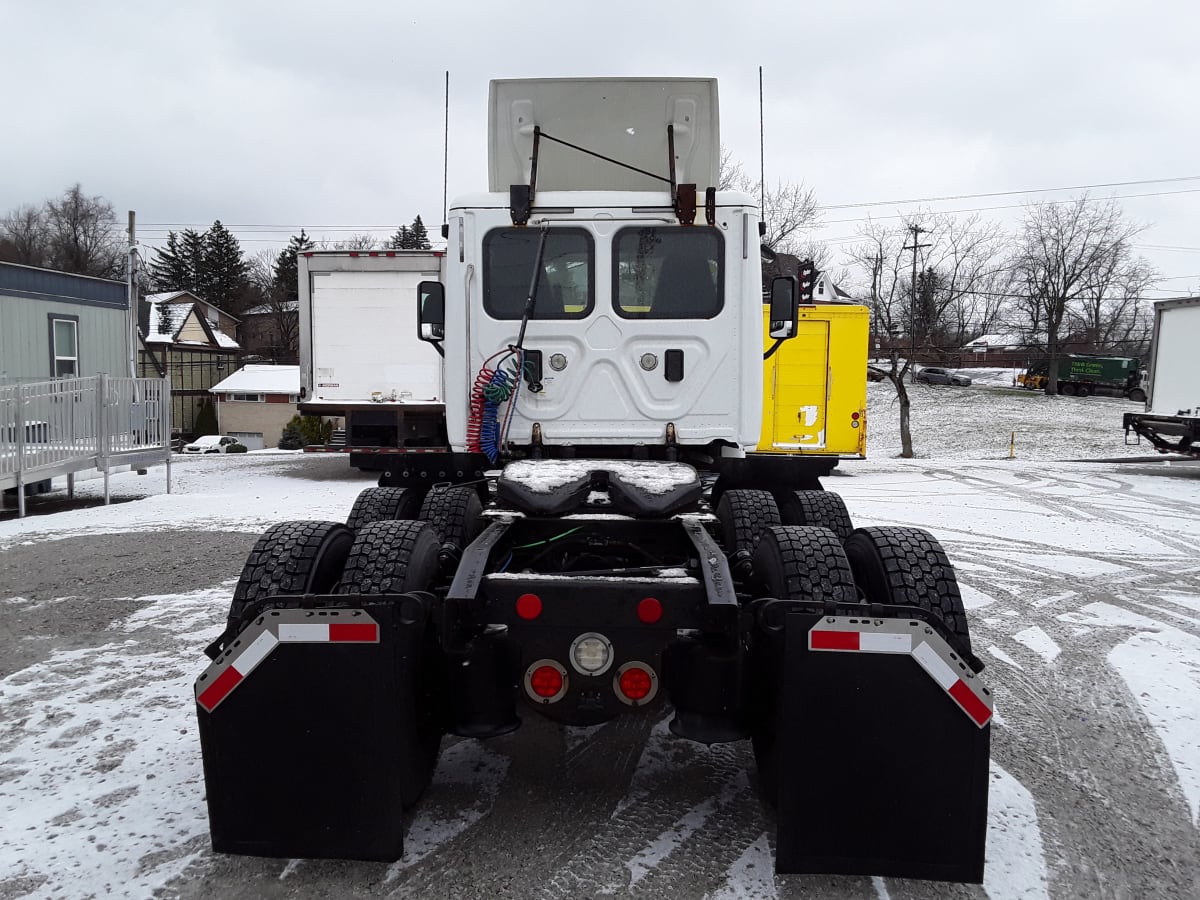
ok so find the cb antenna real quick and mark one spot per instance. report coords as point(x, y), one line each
point(762, 159)
point(446, 155)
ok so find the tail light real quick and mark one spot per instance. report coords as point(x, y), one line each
point(635, 683)
point(546, 681)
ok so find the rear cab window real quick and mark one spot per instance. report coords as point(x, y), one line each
point(668, 273)
point(566, 286)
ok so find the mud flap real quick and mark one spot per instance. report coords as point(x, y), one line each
point(883, 745)
point(303, 731)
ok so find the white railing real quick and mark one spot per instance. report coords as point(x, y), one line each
point(60, 427)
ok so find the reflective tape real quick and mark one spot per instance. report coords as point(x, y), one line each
point(287, 626)
point(931, 652)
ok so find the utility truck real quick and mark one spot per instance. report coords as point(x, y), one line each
point(1171, 421)
point(600, 314)
point(1081, 375)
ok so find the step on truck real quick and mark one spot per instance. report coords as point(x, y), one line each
point(1171, 420)
point(601, 320)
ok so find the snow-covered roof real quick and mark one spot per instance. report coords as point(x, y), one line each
point(265, 309)
point(167, 318)
point(258, 379)
point(999, 341)
point(169, 296)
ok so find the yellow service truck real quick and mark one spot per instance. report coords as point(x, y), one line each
point(815, 385)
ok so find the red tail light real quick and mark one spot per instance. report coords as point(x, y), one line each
point(546, 682)
point(650, 610)
point(529, 606)
point(636, 683)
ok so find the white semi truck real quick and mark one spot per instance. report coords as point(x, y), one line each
point(600, 313)
point(1171, 421)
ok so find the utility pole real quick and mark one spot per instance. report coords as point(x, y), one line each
point(131, 271)
point(917, 231)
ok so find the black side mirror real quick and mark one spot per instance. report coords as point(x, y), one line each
point(784, 307)
point(431, 311)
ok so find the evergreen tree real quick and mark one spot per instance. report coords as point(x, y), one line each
point(224, 273)
point(177, 266)
point(417, 235)
point(286, 282)
point(400, 240)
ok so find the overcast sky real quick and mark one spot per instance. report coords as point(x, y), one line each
point(330, 115)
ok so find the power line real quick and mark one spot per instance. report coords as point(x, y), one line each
point(1078, 187)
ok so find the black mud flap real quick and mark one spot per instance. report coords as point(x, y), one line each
point(302, 732)
point(883, 752)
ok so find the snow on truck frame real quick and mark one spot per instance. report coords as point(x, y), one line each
point(600, 314)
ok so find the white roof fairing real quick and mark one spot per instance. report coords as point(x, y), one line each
point(624, 119)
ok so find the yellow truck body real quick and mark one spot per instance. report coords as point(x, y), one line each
point(815, 385)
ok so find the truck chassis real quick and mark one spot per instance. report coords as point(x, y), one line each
point(582, 590)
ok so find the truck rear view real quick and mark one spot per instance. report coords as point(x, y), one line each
point(1171, 421)
point(603, 342)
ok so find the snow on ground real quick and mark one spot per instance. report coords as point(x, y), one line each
point(100, 783)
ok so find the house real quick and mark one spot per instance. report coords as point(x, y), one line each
point(187, 341)
point(991, 350)
point(255, 402)
point(271, 332)
point(58, 325)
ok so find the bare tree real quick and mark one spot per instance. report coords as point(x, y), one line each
point(880, 256)
point(789, 208)
point(83, 237)
point(1111, 317)
point(354, 242)
point(1063, 254)
point(26, 236)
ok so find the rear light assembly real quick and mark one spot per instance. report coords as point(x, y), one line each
point(591, 653)
point(546, 681)
point(635, 683)
point(649, 610)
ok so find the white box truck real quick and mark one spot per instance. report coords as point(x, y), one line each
point(361, 359)
point(1171, 421)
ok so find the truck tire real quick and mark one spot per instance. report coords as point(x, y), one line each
point(1137, 395)
point(391, 557)
point(1083, 390)
point(908, 567)
point(291, 558)
point(378, 503)
point(454, 513)
point(396, 557)
point(824, 509)
point(743, 515)
point(1067, 389)
point(795, 562)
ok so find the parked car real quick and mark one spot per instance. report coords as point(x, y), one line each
point(932, 375)
point(876, 374)
point(210, 443)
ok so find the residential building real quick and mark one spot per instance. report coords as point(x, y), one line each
point(186, 340)
point(58, 325)
point(255, 402)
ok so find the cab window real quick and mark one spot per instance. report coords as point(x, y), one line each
point(668, 273)
point(566, 285)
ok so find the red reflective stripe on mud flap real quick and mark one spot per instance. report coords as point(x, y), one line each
point(833, 640)
point(362, 632)
point(972, 705)
point(219, 689)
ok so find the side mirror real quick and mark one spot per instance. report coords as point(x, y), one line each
point(784, 308)
point(431, 311)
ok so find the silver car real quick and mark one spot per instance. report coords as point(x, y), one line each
point(932, 375)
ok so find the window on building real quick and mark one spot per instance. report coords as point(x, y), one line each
point(64, 349)
point(248, 398)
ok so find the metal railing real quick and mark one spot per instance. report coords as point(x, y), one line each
point(67, 425)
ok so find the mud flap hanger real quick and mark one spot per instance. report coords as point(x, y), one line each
point(683, 196)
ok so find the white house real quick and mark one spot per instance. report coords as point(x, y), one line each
point(255, 402)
